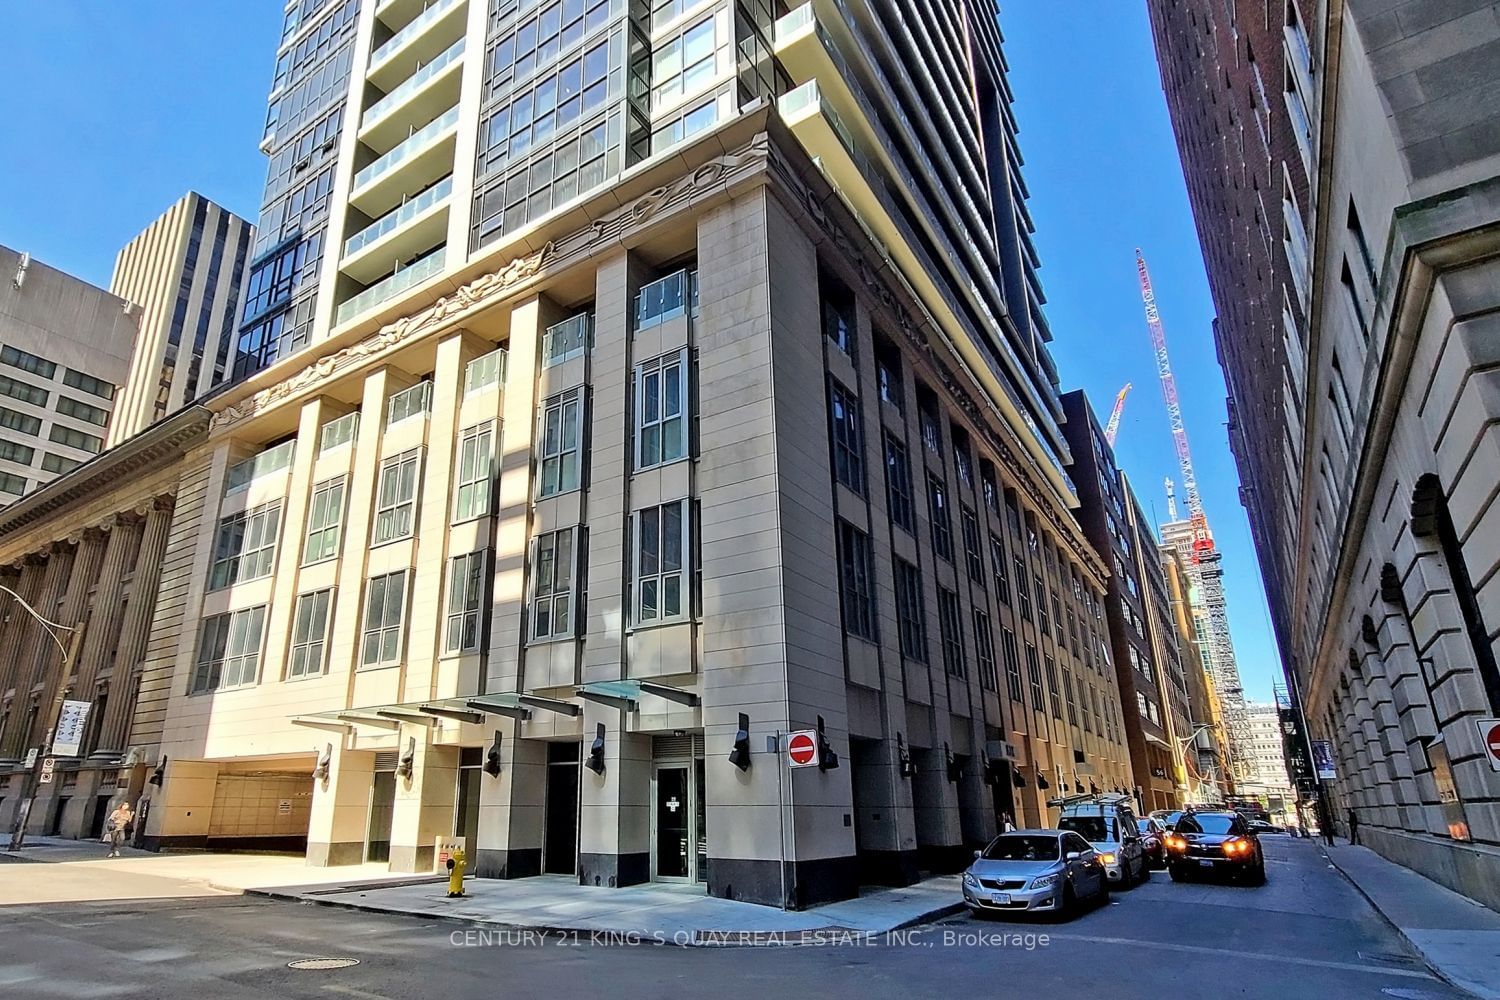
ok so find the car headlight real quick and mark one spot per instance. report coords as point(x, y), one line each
point(1108, 857)
point(970, 880)
point(1042, 881)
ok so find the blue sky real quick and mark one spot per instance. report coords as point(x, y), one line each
point(126, 106)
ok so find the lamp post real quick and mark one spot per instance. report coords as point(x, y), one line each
point(54, 711)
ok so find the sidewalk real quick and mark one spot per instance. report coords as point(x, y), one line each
point(669, 914)
point(1457, 937)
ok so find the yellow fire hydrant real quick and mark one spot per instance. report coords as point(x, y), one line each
point(456, 866)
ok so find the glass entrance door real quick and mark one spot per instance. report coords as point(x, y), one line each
point(674, 847)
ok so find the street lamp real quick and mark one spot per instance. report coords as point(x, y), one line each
point(69, 653)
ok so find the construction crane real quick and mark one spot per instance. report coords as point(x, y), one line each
point(1113, 428)
point(1203, 540)
point(1171, 500)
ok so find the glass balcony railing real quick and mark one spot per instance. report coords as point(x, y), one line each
point(413, 274)
point(418, 25)
point(566, 340)
point(485, 371)
point(661, 300)
point(271, 460)
point(409, 147)
point(412, 84)
point(398, 217)
point(413, 402)
point(795, 21)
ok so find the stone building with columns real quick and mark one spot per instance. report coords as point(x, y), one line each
point(85, 551)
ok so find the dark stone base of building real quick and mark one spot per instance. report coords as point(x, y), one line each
point(808, 883)
point(523, 862)
point(614, 870)
point(945, 859)
point(893, 868)
point(330, 855)
point(1468, 870)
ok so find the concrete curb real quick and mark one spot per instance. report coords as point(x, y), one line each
point(1427, 961)
point(810, 937)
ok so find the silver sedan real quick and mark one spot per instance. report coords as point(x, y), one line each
point(1034, 871)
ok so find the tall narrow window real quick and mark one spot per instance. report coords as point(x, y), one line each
point(898, 486)
point(838, 314)
point(1034, 674)
point(942, 527)
point(325, 518)
point(1351, 299)
point(473, 497)
point(560, 443)
point(385, 617)
point(245, 546)
point(552, 587)
point(661, 548)
point(857, 576)
point(1067, 677)
point(229, 650)
point(1012, 666)
point(309, 634)
point(989, 487)
point(997, 566)
point(950, 629)
point(1041, 607)
point(888, 374)
point(661, 410)
point(396, 499)
point(848, 438)
point(1022, 591)
point(466, 577)
point(973, 554)
point(984, 651)
point(911, 618)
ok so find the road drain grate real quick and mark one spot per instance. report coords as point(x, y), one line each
point(322, 963)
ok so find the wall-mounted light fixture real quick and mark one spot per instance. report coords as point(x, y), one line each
point(408, 762)
point(492, 758)
point(595, 762)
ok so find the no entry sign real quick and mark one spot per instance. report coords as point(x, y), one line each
point(802, 748)
point(1489, 739)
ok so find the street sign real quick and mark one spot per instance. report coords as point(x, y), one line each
point(48, 763)
point(1489, 738)
point(31, 758)
point(1322, 752)
point(802, 748)
point(70, 723)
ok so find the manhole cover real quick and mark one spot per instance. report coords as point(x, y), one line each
point(322, 963)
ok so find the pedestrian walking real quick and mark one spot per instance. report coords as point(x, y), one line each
point(118, 821)
point(1353, 827)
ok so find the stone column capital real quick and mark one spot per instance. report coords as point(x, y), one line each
point(157, 505)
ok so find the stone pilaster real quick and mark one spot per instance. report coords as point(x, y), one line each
point(13, 625)
point(103, 635)
point(52, 672)
point(136, 628)
point(36, 641)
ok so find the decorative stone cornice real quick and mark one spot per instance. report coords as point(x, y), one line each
point(488, 289)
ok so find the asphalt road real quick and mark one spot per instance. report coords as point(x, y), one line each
point(1306, 933)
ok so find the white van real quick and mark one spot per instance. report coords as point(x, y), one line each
point(1108, 823)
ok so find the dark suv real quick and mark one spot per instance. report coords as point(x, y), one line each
point(1218, 843)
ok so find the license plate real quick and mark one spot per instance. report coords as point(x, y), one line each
point(1000, 898)
point(1206, 863)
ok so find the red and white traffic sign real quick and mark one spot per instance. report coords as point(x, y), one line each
point(1489, 738)
point(802, 748)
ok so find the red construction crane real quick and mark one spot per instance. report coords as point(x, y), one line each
point(1203, 539)
point(1113, 430)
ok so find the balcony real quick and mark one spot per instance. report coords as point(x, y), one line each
point(417, 41)
point(415, 163)
point(419, 222)
point(672, 296)
point(416, 99)
point(388, 288)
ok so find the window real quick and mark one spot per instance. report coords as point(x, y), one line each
point(552, 586)
point(385, 608)
point(989, 487)
point(661, 405)
point(566, 340)
point(848, 440)
point(888, 374)
point(1034, 673)
point(484, 371)
point(560, 440)
point(229, 650)
point(932, 436)
point(245, 546)
point(1021, 589)
point(413, 402)
point(838, 314)
point(12, 483)
point(1041, 606)
point(59, 463)
point(942, 529)
point(683, 65)
point(24, 391)
point(1012, 665)
point(961, 461)
point(17, 421)
point(857, 575)
point(309, 634)
point(973, 557)
point(898, 486)
point(338, 432)
point(75, 439)
point(263, 463)
point(325, 519)
point(87, 383)
point(473, 499)
point(466, 577)
point(396, 501)
point(70, 407)
point(661, 546)
point(910, 616)
point(27, 362)
point(997, 566)
point(950, 629)
point(21, 454)
point(984, 649)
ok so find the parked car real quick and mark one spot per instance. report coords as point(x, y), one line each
point(1108, 823)
point(1215, 843)
point(1262, 827)
point(1153, 841)
point(1167, 817)
point(1034, 871)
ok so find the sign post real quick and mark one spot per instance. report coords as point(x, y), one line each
point(1489, 740)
